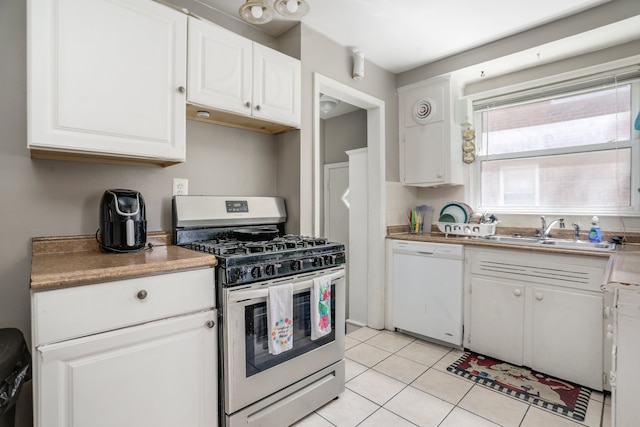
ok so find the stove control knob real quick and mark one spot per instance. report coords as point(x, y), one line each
point(318, 262)
point(255, 272)
point(330, 259)
point(271, 269)
point(296, 265)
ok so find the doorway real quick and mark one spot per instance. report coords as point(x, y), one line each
point(375, 236)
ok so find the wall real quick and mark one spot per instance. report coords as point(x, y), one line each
point(322, 55)
point(343, 133)
point(54, 198)
point(620, 55)
point(607, 13)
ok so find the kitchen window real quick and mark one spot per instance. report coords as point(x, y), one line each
point(566, 148)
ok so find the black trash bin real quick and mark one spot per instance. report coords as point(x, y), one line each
point(15, 370)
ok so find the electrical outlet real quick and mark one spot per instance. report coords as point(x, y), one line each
point(180, 186)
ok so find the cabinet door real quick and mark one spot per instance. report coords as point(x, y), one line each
point(276, 86)
point(567, 337)
point(158, 374)
point(423, 155)
point(219, 68)
point(105, 78)
point(497, 319)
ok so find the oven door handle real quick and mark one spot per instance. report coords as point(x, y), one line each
point(243, 295)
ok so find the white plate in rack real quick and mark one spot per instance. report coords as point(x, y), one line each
point(456, 210)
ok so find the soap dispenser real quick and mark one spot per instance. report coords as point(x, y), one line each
point(595, 234)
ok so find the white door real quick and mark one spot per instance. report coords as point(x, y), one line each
point(161, 374)
point(107, 77)
point(566, 328)
point(497, 319)
point(336, 212)
point(219, 68)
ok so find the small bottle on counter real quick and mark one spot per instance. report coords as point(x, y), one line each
point(595, 234)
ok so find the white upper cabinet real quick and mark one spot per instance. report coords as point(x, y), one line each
point(219, 68)
point(430, 143)
point(107, 80)
point(276, 86)
point(230, 73)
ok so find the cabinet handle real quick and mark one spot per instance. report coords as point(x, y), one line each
point(258, 107)
point(210, 324)
point(181, 89)
point(142, 294)
point(247, 104)
point(539, 296)
point(517, 292)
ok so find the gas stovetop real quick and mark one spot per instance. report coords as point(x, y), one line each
point(211, 223)
point(242, 262)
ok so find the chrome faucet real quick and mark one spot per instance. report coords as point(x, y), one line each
point(546, 229)
point(576, 231)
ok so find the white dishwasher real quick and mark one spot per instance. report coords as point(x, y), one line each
point(427, 289)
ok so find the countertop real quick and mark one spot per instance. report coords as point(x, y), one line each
point(401, 233)
point(624, 269)
point(77, 260)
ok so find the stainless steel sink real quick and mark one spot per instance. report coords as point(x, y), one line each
point(579, 244)
point(511, 239)
point(557, 243)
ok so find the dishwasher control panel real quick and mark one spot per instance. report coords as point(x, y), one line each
point(439, 250)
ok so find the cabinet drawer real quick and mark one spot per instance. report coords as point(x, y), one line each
point(62, 314)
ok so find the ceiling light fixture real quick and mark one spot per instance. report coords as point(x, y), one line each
point(256, 12)
point(328, 104)
point(260, 12)
point(291, 8)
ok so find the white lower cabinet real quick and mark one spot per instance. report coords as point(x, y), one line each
point(497, 319)
point(160, 373)
point(566, 335)
point(538, 310)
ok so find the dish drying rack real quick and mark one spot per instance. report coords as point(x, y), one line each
point(467, 229)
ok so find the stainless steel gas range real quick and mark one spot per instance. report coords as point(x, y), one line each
point(247, 236)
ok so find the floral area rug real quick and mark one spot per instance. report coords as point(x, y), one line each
point(556, 395)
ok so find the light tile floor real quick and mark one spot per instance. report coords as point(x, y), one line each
point(395, 380)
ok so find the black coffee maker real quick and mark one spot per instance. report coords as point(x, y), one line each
point(123, 224)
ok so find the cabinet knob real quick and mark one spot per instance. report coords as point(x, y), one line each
point(517, 292)
point(539, 296)
point(439, 175)
point(247, 104)
point(142, 294)
point(258, 107)
point(210, 324)
point(181, 89)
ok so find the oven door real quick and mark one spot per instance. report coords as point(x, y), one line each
point(250, 371)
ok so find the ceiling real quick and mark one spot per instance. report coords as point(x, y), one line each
point(399, 35)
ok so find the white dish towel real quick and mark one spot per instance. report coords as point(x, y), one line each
point(321, 307)
point(280, 318)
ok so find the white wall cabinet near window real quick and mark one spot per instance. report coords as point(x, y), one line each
point(538, 310)
point(106, 80)
point(430, 142)
point(231, 73)
point(135, 352)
